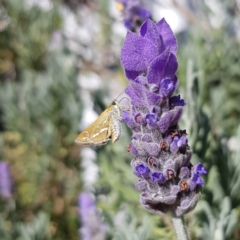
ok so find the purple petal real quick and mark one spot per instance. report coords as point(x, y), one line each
point(125, 116)
point(157, 177)
point(152, 98)
point(177, 115)
point(156, 68)
point(128, 119)
point(137, 53)
point(151, 118)
point(164, 66)
point(130, 91)
point(131, 74)
point(133, 150)
point(197, 179)
point(169, 118)
point(176, 101)
point(165, 121)
point(182, 142)
point(149, 30)
point(199, 169)
point(171, 66)
point(168, 37)
point(166, 87)
point(174, 144)
point(143, 170)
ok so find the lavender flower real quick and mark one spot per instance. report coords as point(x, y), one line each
point(167, 179)
point(134, 14)
point(5, 180)
point(92, 227)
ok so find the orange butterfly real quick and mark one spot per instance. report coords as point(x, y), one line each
point(106, 127)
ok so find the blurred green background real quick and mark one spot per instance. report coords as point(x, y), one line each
point(59, 68)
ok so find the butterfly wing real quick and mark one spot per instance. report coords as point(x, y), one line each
point(98, 133)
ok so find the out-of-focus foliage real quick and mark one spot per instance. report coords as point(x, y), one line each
point(209, 60)
point(44, 50)
point(24, 39)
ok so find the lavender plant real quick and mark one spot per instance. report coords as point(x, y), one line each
point(92, 227)
point(5, 180)
point(168, 181)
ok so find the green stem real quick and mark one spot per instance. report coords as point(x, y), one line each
point(181, 231)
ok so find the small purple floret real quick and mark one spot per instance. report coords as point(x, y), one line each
point(151, 118)
point(176, 101)
point(167, 87)
point(182, 142)
point(143, 170)
point(197, 179)
point(157, 177)
point(199, 169)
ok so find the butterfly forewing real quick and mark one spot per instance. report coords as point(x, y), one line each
point(99, 132)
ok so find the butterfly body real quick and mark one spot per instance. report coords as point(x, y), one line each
point(106, 127)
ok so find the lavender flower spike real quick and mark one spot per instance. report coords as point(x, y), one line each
point(5, 180)
point(92, 227)
point(168, 181)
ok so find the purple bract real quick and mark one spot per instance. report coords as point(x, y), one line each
point(168, 181)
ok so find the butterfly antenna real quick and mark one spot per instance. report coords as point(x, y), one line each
point(119, 95)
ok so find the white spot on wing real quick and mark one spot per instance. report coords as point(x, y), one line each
point(102, 130)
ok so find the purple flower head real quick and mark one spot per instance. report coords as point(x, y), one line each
point(91, 224)
point(134, 13)
point(161, 151)
point(5, 180)
point(149, 53)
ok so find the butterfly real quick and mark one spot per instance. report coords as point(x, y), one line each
point(106, 127)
